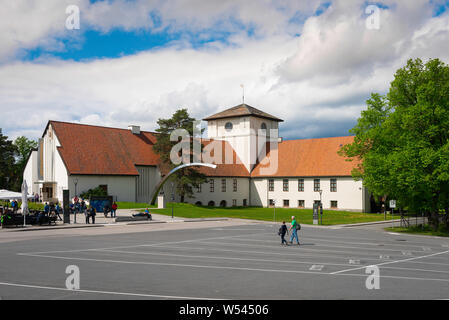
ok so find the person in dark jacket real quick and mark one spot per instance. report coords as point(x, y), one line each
point(282, 231)
point(92, 213)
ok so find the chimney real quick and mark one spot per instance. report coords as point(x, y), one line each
point(134, 129)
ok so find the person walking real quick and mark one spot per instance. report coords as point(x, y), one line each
point(114, 210)
point(282, 231)
point(92, 213)
point(294, 230)
point(58, 211)
point(87, 215)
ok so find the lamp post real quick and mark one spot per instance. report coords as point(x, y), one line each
point(172, 197)
point(75, 182)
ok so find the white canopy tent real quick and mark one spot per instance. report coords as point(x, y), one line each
point(11, 195)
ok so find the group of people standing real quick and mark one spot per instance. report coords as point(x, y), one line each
point(81, 207)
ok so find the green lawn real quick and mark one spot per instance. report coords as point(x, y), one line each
point(31, 205)
point(419, 230)
point(133, 205)
point(305, 216)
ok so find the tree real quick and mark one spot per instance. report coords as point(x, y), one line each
point(402, 140)
point(23, 147)
point(188, 178)
point(7, 162)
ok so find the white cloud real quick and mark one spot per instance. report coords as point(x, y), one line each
point(317, 82)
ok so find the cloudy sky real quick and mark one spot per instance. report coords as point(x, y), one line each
point(311, 63)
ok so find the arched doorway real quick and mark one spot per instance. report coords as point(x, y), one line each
point(211, 204)
point(223, 203)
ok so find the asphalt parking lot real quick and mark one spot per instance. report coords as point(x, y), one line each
point(226, 262)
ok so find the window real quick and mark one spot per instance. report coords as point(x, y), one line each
point(286, 203)
point(333, 185)
point(285, 185)
point(234, 185)
point(228, 126)
point(234, 202)
point(212, 185)
point(301, 203)
point(334, 204)
point(301, 185)
point(271, 185)
point(198, 189)
point(263, 126)
point(316, 185)
point(244, 203)
point(271, 202)
point(223, 185)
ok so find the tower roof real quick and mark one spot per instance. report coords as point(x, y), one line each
point(242, 110)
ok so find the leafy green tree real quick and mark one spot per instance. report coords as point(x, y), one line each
point(402, 141)
point(23, 147)
point(95, 192)
point(7, 162)
point(188, 178)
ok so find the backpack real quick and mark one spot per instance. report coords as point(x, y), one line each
point(280, 231)
point(298, 226)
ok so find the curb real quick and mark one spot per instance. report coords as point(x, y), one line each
point(367, 223)
point(176, 220)
point(54, 228)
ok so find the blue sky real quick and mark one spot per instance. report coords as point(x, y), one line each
point(89, 43)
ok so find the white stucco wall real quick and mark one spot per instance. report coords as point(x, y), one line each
point(259, 192)
point(217, 196)
point(349, 193)
point(243, 137)
point(30, 173)
point(123, 188)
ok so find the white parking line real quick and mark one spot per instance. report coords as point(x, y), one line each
point(351, 253)
point(283, 253)
point(221, 257)
point(127, 247)
point(233, 268)
point(348, 247)
point(391, 262)
point(104, 292)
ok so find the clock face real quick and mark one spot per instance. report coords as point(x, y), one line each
point(228, 126)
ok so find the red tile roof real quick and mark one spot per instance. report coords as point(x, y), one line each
point(98, 150)
point(95, 150)
point(310, 158)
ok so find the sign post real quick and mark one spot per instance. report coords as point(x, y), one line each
point(315, 213)
point(321, 213)
point(65, 205)
point(392, 206)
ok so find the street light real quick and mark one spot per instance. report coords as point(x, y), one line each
point(75, 181)
point(172, 197)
